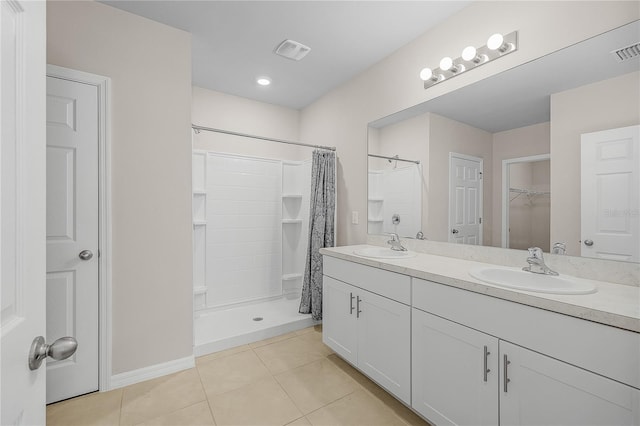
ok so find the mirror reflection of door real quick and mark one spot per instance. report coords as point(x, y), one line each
point(610, 194)
point(527, 203)
point(465, 199)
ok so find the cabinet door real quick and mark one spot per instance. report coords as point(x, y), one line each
point(454, 372)
point(384, 342)
point(545, 391)
point(339, 318)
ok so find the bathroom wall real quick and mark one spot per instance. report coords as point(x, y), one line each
point(445, 136)
point(228, 112)
point(514, 143)
point(150, 69)
point(340, 117)
point(572, 113)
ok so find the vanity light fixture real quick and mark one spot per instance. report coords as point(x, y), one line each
point(497, 46)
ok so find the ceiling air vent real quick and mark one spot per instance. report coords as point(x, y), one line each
point(292, 50)
point(626, 53)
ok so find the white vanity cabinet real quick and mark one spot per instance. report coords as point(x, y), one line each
point(538, 368)
point(539, 390)
point(454, 372)
point(367, 321)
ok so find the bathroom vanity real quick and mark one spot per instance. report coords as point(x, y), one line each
point(461, 351)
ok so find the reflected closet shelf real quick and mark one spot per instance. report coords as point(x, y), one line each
point(292, 196)
point(199, 222)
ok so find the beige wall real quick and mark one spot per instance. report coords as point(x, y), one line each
point(515, 143)
point(340, 117)
point(445, 136)
point(600, 106)
point(150, 68)
point(228, 112)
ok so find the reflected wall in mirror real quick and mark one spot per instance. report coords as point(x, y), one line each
point(525, 125)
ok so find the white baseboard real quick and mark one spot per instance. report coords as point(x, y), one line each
point(151, 372)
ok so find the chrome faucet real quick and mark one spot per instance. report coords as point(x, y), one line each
point(420, 236)
point(559, 248)
point(395, 242)
point(536, 263)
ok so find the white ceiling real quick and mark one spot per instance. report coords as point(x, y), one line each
point(233, 41)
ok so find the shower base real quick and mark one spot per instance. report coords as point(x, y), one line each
point(228, 327)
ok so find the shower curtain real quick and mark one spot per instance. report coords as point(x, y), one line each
point(321, 229)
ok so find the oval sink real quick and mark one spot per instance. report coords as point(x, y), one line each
point(382, 253)
point(518, 279)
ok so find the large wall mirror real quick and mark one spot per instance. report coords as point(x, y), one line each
point(544, 153)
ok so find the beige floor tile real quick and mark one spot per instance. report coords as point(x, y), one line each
point(231, 351)
point(377, 392)
point(358, 408)
point(158, 397)
point(273, 340)
point(316, 384)
point(302, 421)
point(260, 403)
point(231, 372)
point(314, 328)
point(292, 353)
point(100, 408)
point(195, 415)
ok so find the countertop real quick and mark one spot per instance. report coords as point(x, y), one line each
point(615, 305)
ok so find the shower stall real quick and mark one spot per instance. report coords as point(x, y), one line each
point(250, 237)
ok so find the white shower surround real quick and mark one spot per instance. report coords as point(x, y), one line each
point(250, 237)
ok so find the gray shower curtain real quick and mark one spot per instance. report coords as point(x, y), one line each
point(321, 229)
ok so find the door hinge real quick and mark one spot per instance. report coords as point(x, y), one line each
point(480, 175)
point(480, 220)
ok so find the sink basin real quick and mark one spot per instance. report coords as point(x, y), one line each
point(383, 253)
point(518, 279)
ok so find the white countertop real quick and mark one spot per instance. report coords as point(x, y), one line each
point(616, 305)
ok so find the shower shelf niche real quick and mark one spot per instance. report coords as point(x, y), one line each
point(198, 212)
point(291, 277)
point(291, 221)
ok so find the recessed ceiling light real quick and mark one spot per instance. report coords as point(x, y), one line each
point(263, 81)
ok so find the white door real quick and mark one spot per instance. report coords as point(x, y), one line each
point(455, 372)
point(610, 194)
point(384, 342)
point(72, 234)
point(22, 208)
point(544, 391)
point(465, 199)
point(339, 318)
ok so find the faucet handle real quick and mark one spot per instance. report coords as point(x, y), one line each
point(535, 252)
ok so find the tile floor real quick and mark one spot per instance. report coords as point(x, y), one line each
point(293, 379)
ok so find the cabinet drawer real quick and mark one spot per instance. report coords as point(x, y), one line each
point(609, 351)
point(388, 284)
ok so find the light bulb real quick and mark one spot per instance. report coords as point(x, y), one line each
point(263, 81)
point(446, 63)
point(469, 53)
point(495, 41)
point(426, 74)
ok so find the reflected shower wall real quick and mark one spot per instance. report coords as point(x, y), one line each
point(394, 197)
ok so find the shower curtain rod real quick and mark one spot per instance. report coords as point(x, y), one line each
point(246, 135)
point(394, 158)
